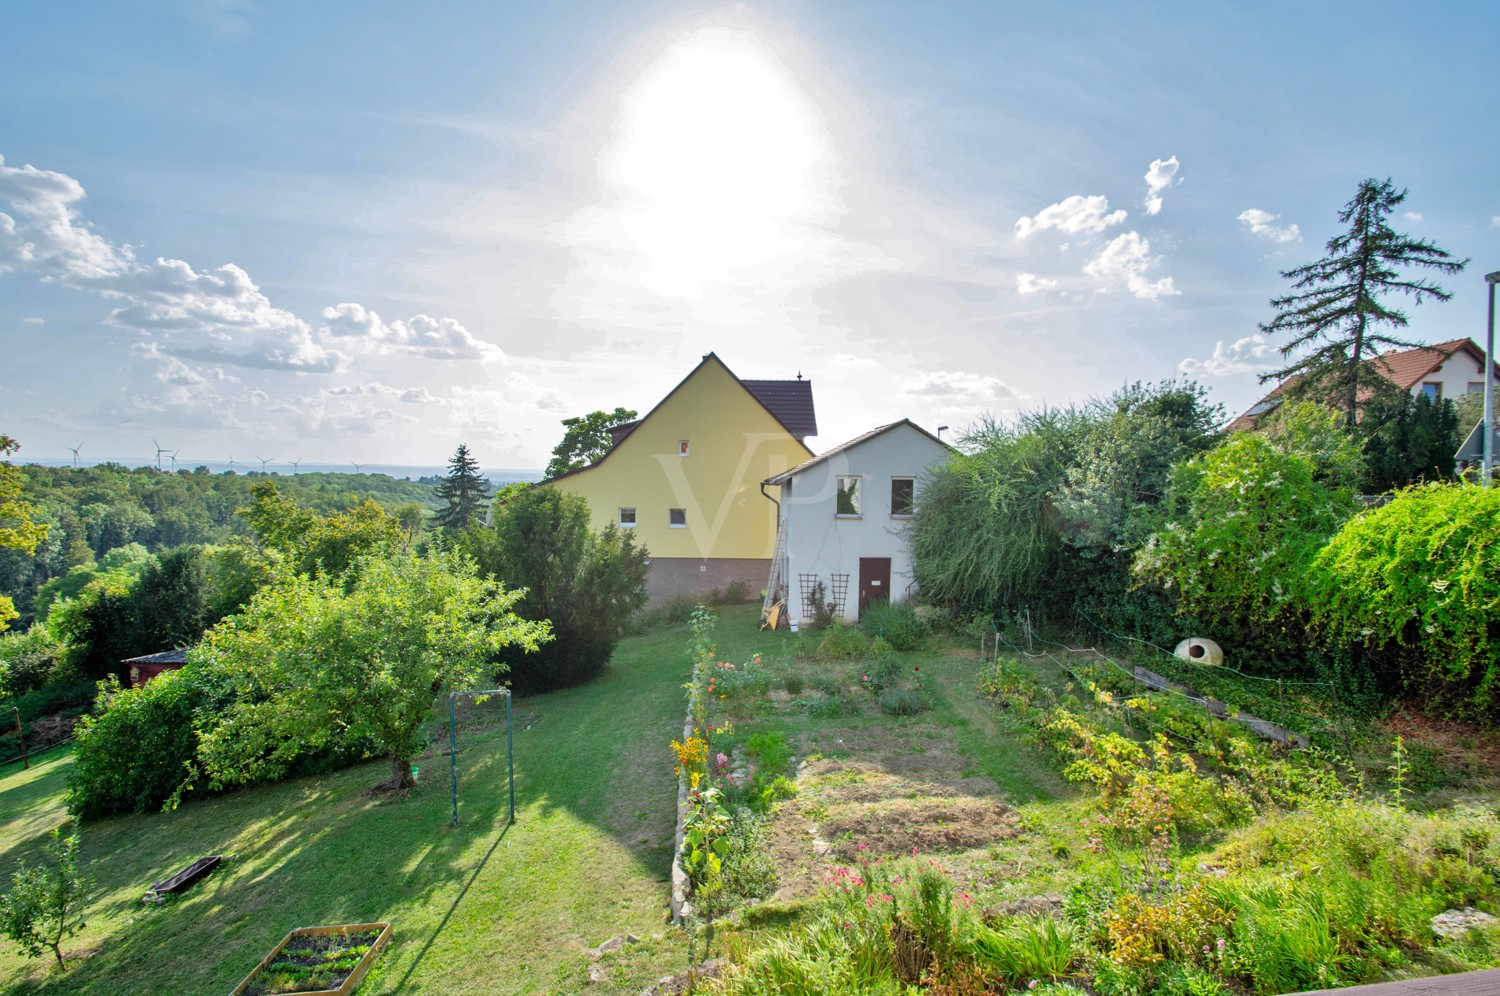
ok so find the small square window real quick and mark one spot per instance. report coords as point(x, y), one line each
point(1432, 390)
point(1476, 387)
point(677, 518)
point(682, 447)
point(903, 490)
point(627, 518)
point(848, 496)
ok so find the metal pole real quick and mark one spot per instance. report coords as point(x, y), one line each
point(510, 756)
point(1489, 384)
point(453, 751)
point(25, 761)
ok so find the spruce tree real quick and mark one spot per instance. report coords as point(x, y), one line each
point(464, 491)
point(1334, 309)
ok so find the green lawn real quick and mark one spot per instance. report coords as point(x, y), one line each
point(483, 908)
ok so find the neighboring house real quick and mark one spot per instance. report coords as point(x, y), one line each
point(143, 669)
point(1446, 370)
point(845, 516)
point(686, 478)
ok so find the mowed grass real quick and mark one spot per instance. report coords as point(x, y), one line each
point(483, 908)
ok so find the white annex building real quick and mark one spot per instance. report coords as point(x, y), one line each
point(843, 521)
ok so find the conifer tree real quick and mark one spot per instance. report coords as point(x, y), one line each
point(463, 489)
point(1334, 309)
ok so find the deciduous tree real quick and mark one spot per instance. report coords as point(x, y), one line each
point(44, 906)
point(314, 661)
point(585, 440)
point(18, 530)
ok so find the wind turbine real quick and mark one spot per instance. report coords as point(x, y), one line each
point(75, 450)
point(173, 457)
point(159, 452)
point(356, 466)
point(295, 464)
point(263, 462)
point(231, 463)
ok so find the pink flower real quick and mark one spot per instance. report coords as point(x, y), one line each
point(864, 847)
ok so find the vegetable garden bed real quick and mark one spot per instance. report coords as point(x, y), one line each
point(318, 961)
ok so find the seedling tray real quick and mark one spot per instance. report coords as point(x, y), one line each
point(355, 976)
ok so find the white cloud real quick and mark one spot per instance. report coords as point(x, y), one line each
point(1125, 260)
point(1413, 216)
point(1260, 223)
point(1030, 283)
point(35, 321)
point(1245, 355)
point(957, 388)
point(1161, 175)
point(216, 315)
point(1074, 215)
point(421, 335)
point(1495, 221)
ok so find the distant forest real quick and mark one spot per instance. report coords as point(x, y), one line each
point(93, 510)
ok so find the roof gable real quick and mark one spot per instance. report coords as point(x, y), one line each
point(797, 404)
point(805, 465)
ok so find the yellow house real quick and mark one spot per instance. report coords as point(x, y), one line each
point(687, 477)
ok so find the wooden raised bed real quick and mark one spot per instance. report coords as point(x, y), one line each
point(355, 976)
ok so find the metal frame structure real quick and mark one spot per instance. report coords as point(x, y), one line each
point(510, 753)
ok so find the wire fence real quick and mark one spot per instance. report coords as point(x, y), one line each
point(1306, 712)
point(31, 755)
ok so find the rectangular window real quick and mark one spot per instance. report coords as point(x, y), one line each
point(627, 518)
point(1476, 387)
point(848, 497)
point(1432, 390)
point(903, 490)
point(677, 518)
point(682, 447)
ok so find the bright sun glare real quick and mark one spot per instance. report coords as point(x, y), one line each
point(720, 164)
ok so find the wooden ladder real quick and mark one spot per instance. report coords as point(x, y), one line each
point(772, 605)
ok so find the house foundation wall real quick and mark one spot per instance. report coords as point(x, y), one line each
point(678, 577)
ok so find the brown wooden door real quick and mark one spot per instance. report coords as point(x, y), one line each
point(874, 581)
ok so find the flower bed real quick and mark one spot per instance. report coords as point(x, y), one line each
point(318, 961)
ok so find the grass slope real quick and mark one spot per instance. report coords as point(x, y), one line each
point(483, 908)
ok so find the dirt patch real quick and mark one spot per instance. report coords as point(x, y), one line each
point(1456, 743)
point(878, 792)
point(924, 826)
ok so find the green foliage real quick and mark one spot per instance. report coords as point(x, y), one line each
point(586, 438)
point(126, 561)
point(45, 903)
point(899, 702)
point(29, 660)
point(1243, 524)
point(101, 625)
point(1335, 311)
point(319, 544)
point(138, 751)
point(18, 528)
point(587, 584)
point(898, 624)
point(313, 660)
point(463, 492)
point(1407, 439)
point(843, 641)
point(1031, 948)
point(1421, 573)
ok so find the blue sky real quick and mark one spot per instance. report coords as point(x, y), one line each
point(370, 232)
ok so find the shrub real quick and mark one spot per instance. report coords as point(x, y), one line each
point(843, 641)
point(1421, 573)
point(28, 660)
point(899, 625)
point(588, 584)
point(771, 750)
point(138, 752)
point(899, 702)
point(1029, 948)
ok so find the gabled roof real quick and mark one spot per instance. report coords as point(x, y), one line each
point(796, 404)
point(787, 475)
point(1405, 369)
point(165, 657)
